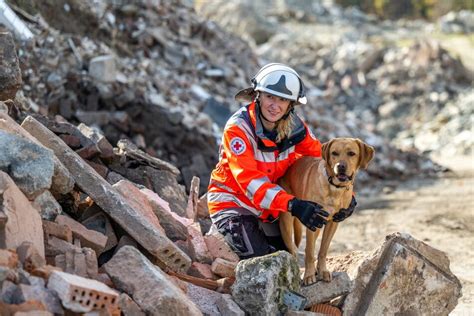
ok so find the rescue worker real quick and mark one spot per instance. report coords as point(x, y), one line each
point(260, 142)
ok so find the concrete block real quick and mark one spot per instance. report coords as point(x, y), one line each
point(223, 268)
point(260, 281)
point(173, 224)
point(149, 287)
point(321, 291)
point(82, 295)
point(129, 307)
point(24, 222)
point(227, 306)
point(89, 238)
point(403, 276)
point(139, 202)
point(111, 201)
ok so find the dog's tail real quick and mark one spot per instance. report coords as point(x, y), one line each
point(298, 232)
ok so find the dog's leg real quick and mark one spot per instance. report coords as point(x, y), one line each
point(328, 233)
point(309, 258)
point(286, 229)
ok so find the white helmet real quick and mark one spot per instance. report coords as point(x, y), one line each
point(280, 80)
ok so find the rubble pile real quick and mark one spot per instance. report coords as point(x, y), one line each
point(151, 72)
point(81, 238)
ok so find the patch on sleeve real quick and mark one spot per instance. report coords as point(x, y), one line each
point(237, 145)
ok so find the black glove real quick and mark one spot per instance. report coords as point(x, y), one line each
point(345, 212)
point(309, 213)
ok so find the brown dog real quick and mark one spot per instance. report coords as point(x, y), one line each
point(328, 182)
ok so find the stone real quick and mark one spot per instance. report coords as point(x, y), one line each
point(10, 74)
point(193, 199)
point(30, 257)
point(100, 222)
point(261, 281)
point(402, 276)
point(102, 68)
point(111, 201)
point(129, 307)
point(204, 299)
point(106, 149)
point(49, 298)
point(28, 164)
point(149, 287)
point(47, 205)
point(89, 238)
point(321, 291)
point(24, 222)
point(82, 295)
point(227, 306)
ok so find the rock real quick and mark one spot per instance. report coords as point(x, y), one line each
point(149, 287)
point(10, 75)
point(47, 205)
point(31, 166)
point(321, 291)
point(404, 275)
point(24, 222)
point(102, 68)
point(261, 281)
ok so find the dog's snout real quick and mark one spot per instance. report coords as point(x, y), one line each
point(341, 167)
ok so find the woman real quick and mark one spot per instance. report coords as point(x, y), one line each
point(260, 142)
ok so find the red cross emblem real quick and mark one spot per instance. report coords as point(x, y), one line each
point(237, 145)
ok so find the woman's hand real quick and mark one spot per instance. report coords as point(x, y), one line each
point(311, 214)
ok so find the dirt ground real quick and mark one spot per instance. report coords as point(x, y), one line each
point(439, 212)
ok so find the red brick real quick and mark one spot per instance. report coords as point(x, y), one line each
point(201, 270)
point(89, 238)
point(223, 267)
point(57, 230)
point(8, 258)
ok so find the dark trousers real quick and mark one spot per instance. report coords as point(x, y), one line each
point(246, 238)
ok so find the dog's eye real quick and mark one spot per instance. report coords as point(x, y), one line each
point(351, 153)
point(335, 153)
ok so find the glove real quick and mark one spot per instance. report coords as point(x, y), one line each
point(345, 212)
point(309, 213)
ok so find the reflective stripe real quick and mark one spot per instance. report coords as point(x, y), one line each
point(227, 197)
point(264, 156)
point(286, 154)
point(269, 196)
point(221, 186)
point(254, 185)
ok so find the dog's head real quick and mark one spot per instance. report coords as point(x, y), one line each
point(346, 155)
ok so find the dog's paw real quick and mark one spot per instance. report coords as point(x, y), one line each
point(325, 275)
point(310, 279)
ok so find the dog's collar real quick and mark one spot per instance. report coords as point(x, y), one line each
point(331, 182)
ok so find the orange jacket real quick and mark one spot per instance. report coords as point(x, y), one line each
point(250, 164)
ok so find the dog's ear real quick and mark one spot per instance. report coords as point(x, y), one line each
point(326, 150)
point(366, 153)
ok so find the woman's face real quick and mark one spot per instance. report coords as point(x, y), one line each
point(273, 108)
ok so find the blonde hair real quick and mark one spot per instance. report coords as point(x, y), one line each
point(284, 127)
